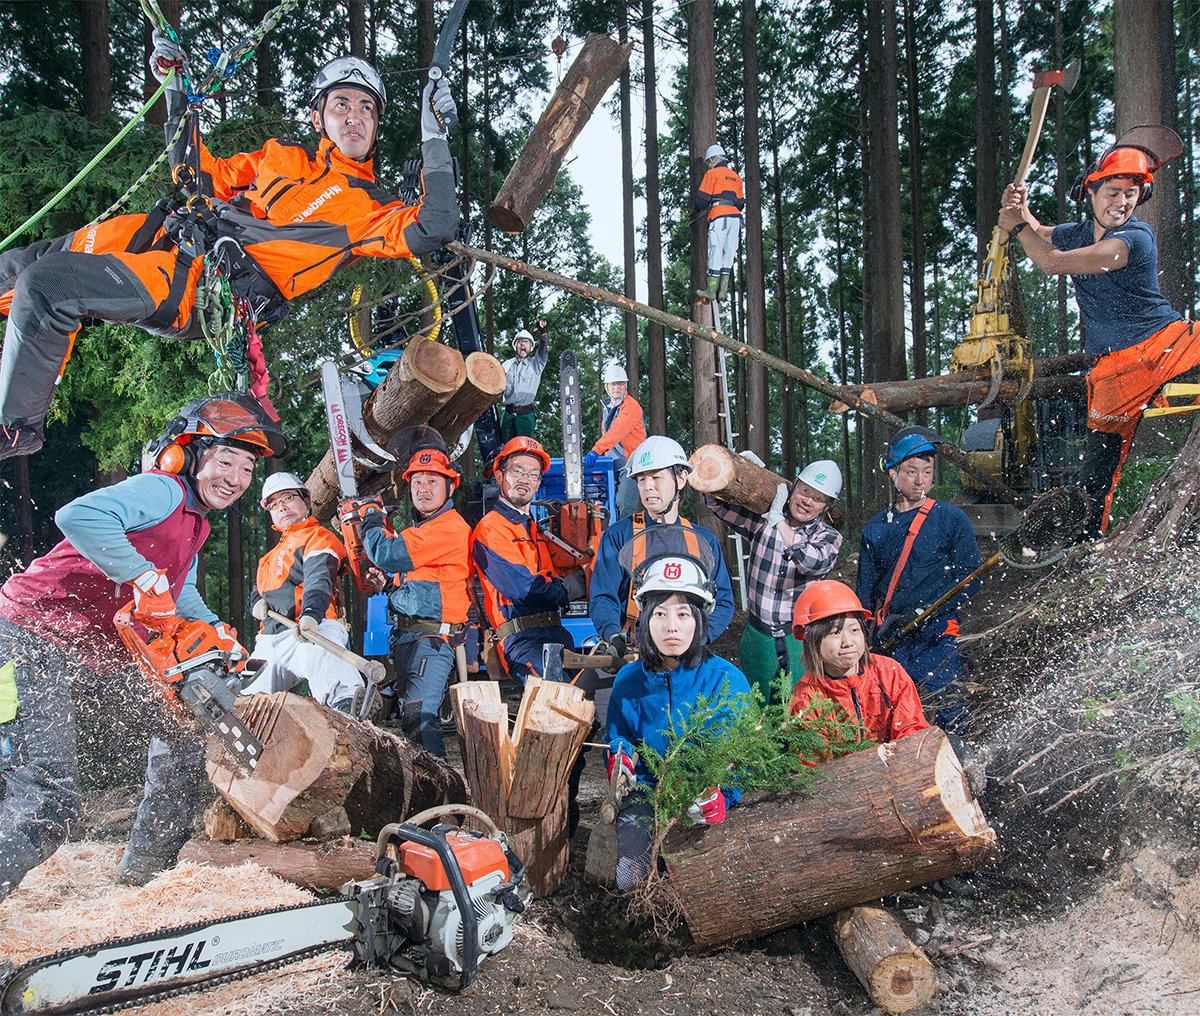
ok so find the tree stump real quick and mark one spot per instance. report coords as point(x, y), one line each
point(897, 975)
point(883, 821)
point(593, 72)
point(316, 760)
point(729, 477)
point(484, 386)
point(420, 383)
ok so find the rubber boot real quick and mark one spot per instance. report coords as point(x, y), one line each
point(711, 292)
point(722, 285)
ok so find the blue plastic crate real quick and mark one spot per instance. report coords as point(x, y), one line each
point(599, 484)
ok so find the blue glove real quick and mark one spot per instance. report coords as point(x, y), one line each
point(590, 460)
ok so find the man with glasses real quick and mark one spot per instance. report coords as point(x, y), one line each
point(298, 578)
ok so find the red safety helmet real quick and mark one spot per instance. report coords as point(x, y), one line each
point(234, 418)
point(520, 446)
point(823, 599)
point(1131, 162)
point(430, 460)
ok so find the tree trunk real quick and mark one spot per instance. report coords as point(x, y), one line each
point(897, 975)
point(916, 197)
point(987, 192)
point(421, 382)
point(1061, 180)
point(426, 36)
point(24, 513)
point(316, 760)
point(94, 67)
point(236, 613)
point(320, 867)
point(358, 29)
point(592, 73)
point(757, 434)
point(655, 334)
point(1171, 510)
point(629, 248)
point(787, 408)
point(732, 478)
point(873, 828)
point(265, 72)
point(482, 389)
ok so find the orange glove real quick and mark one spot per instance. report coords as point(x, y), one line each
point(153, 603)
point(228, 638)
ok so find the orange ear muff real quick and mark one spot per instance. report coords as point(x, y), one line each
point(172, 459)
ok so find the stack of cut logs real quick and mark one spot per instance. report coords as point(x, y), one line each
point(519, 776)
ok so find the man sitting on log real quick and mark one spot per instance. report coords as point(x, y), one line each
point(298, 579)
point(912, 553)
point(526, 580)
point(523, 377)
point(623, 429)
point(270, 225)
point(660, 469)
point(139, 539)
point(428, 606)
point(791, 547)
point(1139, 341)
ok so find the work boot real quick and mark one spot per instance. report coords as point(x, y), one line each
point(138, 868)
point(19, 439)
point(711, 292)
point(722, 285)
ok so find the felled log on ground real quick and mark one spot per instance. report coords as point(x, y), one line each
point(884, 820)
point(417, 386)
point(316, 761)
point(734, 479)
point(483, 387)
point(897, 975)
point(1053, 376)
point(592, 73)
point(316, 866)
point(519, 777)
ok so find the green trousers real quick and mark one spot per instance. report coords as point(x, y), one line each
point(760, 660)
point(516, 425)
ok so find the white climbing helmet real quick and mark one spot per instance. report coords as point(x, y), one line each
point(614, 371)
point(714, 152)
point(823, 476)
point(347, 70)
point(676, 575)
point(656, 453)
point(525, 334)
point(276, 482)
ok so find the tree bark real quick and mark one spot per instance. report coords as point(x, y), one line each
point(24, 512)
point(655, 334)
point(897, 975)
point(987, 192)
point(1171, 509)
point(1061, 180)
point(757, 432)
point(916, 196)
point(358, 29)
point(421, 382)
point(321, 867)
point(316, 760)
point(873, 828)
point(94, 68)
point(482, 389)
point(787, 408)
point(265, 71)
point(733, 479)
point(629, 248)
point(593, 72)
point(236, 564)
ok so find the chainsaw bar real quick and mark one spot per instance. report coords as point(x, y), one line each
point(126, 972)
point(572, 425)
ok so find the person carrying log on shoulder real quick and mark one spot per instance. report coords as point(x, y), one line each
point(624, 428)
point(299, 579)
point(658, 692)
point(912, 553)
point(792, 546)
point(523, 376)
point(1138, 340)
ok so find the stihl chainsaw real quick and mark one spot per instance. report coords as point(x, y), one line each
point(191, 668)
point(443, 900)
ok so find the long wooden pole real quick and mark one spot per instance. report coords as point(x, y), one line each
point(699, 331)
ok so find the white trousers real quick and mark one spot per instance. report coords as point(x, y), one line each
point(290, 661)
point(723, 236)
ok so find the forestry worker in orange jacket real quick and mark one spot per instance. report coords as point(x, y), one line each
point(623, 428)
point(722, 196)
point(274, 224)
point(428, 606)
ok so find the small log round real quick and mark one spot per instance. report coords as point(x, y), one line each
point(897, 975)
point(729, 477)
point(483, 388)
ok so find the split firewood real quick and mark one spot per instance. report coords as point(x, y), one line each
point(883, 821)
point(897, 975)
point(733, 478)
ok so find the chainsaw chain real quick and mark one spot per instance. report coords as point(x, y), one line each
point(191, 987)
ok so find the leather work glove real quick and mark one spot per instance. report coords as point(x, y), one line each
point(260, 608)
point(621, 753)
point(590, 460)
point(775, 513)
point(708, 808)
point(166, 56)
point(576, 584)
point(306, 626)
point(153, 603)
point(438, 112)
point(618, 647)
point(238, 653)
point(751, 457)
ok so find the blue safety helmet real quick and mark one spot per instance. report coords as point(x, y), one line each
point(909, 442)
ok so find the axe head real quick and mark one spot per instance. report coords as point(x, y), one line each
point(1065, 79)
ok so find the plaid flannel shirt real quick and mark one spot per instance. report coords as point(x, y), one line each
point(779, 572)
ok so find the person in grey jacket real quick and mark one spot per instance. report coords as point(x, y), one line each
point(524, 375)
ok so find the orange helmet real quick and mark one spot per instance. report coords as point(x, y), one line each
point(226, 418)
point(520, 446)
point(823, 599)
point(430, 460)
point(1131, 162)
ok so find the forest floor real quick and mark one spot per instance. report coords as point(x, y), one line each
point(1093, 789)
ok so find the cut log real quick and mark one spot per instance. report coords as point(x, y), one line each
point(543, 847)
point(486, 756)
point(734, 479)
point(483, 388)
point(420, 383)
point(316, 866)
point(883, 821)
point(223, 824)
point(897, 975)
point(592, 73)
point(316, 760)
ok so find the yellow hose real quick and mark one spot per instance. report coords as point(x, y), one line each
point(356, 336)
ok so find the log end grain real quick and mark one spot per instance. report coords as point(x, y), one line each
point(713, 468)
point(957, 798)
point(505, 217)
point(903, 982)
point(486, 373)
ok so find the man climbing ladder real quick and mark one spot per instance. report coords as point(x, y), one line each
point(722, 195)
point(263, 226)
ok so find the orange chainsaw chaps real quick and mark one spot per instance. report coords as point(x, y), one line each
point(579, 524)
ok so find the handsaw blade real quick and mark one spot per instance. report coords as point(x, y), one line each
point(572, 425)
point(339, 429)
point(440, 63)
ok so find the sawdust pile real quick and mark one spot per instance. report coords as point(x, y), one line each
point(72, 900)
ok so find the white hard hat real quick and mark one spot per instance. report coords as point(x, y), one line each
point(276, 482)
point(351, 71)
point(614, 371)
point(656, 453)
point(522, 334)
point(824, 476)
point(714, 152)
point(676, 575)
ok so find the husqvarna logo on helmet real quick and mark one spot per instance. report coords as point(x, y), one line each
point(672, 571)
point(425, 458)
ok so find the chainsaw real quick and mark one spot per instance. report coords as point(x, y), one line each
point(442, 900)
point(190, 667)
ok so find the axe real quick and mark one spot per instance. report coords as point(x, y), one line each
point(1043, 82)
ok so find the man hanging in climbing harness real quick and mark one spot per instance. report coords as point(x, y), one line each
point(239, 238)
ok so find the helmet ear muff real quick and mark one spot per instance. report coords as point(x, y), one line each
point(167, 454)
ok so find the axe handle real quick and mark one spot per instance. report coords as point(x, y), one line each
point(962, 584)
point(372, 670)
point(1037, 109)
